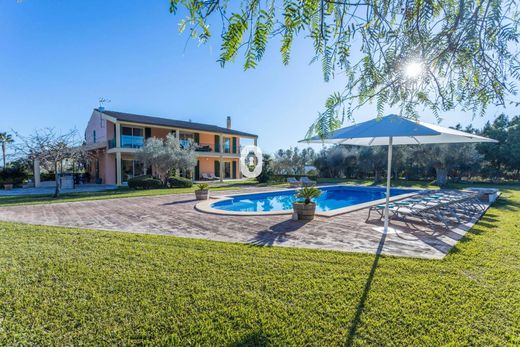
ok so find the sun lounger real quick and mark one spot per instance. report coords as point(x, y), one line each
point(293, 182)
point(442, 208)
point(434, 207)
point(307, 182)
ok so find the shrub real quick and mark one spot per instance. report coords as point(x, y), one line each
point(13, 175)
point(267, 170)
point(308, 193)
point(180, 182)
point(144, 182)
point(203, 186)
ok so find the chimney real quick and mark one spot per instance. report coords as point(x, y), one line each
point(228, 122)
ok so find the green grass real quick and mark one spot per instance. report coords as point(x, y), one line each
point(62, 286)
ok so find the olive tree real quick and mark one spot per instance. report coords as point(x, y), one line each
point(461, 53)
point(166, 156)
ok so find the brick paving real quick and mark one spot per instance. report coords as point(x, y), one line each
point(175, 215)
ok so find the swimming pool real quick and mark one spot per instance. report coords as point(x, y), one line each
point(332, 198)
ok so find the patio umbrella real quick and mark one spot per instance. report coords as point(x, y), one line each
point(395, 130)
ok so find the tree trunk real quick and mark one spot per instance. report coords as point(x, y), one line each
point(3, 154)
point(442, 176)
point(57, 179)
point(377, 176)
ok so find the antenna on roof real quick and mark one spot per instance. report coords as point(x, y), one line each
point(102, 103)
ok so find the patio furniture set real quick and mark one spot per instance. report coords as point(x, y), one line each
point(303, 182)
point(209, 177)
point(434, 206)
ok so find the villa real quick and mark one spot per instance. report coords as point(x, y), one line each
point(114, 137)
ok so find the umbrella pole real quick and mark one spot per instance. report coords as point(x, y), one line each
point(388, 175)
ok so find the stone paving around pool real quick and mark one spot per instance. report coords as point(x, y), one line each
point(175, 215)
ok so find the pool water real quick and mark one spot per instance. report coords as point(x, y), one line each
point(331, 198)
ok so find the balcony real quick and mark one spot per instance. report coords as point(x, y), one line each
point(206, 147)
point(128, 141)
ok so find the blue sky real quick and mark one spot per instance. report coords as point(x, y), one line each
point(59, 57)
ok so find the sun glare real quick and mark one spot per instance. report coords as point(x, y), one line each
point(413, 69)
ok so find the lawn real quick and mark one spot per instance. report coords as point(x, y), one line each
point(69, 286)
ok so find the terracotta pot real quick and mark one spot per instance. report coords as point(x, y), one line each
point(304, 211)
point(8, 186)
point(202, 194)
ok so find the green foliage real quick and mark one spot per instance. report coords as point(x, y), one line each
point(292, 161)
point(203, 186)
point(308, 193)
point(267, 169)
point(144, 182)
point(13, 175)
point(468, 50)
point(166, 156)
point(180, 182)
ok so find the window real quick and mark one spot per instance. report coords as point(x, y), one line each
point(93, 136)
point(132, 137)
point(227, 145)
point(131, 168)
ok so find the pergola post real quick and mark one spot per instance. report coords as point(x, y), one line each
point(119, 180)
point(36, 172)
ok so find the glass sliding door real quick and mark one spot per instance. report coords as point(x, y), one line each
point(227, 169)
point(131, 168)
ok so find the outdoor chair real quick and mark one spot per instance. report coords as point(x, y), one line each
point(379, 209)
point(206, 177)
point(213, 177)
point(307, 182)
point(293, 182)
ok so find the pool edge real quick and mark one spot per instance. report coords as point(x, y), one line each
point(205, 205)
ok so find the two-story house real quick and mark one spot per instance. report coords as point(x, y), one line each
point(114, 137)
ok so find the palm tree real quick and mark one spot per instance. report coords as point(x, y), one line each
point(5, 139)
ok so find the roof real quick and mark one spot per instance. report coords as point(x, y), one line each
point(174, 123)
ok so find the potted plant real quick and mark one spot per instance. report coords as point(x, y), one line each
point(202, 193)
point(305, 209)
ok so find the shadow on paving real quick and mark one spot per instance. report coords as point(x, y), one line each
point(277, 233)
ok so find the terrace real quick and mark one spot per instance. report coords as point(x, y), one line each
point(176, 215)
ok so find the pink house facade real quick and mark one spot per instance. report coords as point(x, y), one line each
point(114, 137)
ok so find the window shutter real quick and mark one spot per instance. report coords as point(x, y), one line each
point(234, 145)
point(234, 173)
point(197, 171)
point(217, 143)
point(217, 168)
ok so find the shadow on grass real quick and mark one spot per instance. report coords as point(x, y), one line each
point(252, 339)
point(277, 233)
point(361, 305)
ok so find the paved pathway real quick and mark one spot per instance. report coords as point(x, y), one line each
point(175, 215)
point(83, 188)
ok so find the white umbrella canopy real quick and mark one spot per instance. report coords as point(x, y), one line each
point(377, 132)
point(395, 130)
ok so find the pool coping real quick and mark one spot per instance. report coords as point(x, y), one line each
point(205, 205)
